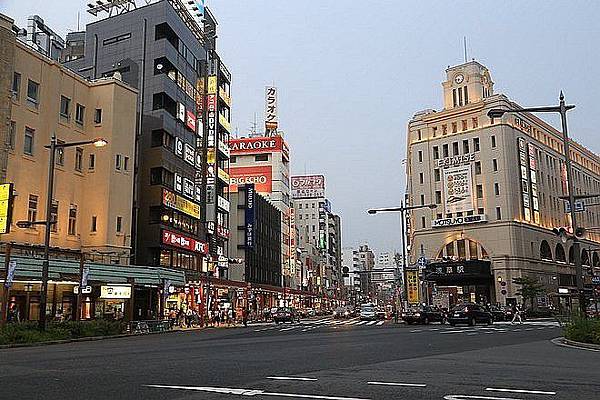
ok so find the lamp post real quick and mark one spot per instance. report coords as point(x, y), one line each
point(561, 109)
point(402, 210)
point(54, 144)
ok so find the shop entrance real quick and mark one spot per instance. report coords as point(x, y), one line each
point(454, 282)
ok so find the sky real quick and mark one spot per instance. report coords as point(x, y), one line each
point(351, 74)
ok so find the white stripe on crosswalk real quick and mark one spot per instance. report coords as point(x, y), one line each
point(362, 323)
point(371, 322)
point(380, 323)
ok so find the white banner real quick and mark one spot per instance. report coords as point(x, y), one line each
point(458, 189)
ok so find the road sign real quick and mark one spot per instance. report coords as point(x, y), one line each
point(596, 280)
point(12, 266)
point(579, 206)
point(86, 290)
point(503, 291)
point(422, 261)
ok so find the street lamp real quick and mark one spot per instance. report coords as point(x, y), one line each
point(97, 142)
point(402, 209)
point(561, 109)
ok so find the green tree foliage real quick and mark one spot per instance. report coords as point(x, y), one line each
point(530, 288)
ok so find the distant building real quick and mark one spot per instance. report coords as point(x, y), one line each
point(256, 238)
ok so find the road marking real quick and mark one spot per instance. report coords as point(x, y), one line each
point(461, 331)
point(288, 329)
point(380, 323)
point(291, 378)
point(252, 392)
point(475, 333)
point(519, 391)
point(372, 322)
point(362, 323)
point(434, 329)
point(397, 384)
point(467, 397)
point(416, 330)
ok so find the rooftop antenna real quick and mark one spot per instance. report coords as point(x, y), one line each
point(78, 14)
point(465, 47)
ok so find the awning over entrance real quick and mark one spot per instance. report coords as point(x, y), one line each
point(29, 268)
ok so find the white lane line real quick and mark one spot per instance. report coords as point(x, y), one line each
point(416, 330)
point(397, 384)
point(252, 392)
point(288, 329)
point(372, 323)
point(380, 323)
point(519, 391)
point(291, 378)
point(467, 397)
point(460, 331)
point(474, 333)
point(434, 329)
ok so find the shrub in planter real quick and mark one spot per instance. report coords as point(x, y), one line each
point(585, 330)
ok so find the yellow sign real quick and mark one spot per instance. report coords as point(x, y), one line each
point(224, 176)
point(212, 84)
point(190, 208)
point(5, 197)
point(224, 123)
point(223, 95)
point(210, 156)
point(412, 285)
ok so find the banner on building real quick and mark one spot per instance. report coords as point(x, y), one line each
point(308, 186)
point(412, 285)
point(257, 145)
point(249, 217)
point(261, 177)
point(10, 276)
point(184, 242)
point(458, 189)
point(271, 108)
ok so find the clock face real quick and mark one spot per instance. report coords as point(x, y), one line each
point(459, 78)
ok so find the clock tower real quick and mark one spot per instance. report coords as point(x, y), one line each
point(465, 84)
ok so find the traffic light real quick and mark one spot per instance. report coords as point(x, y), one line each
point(580, 232)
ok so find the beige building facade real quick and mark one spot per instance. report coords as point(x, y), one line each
point(93, 186)
point(497, 185)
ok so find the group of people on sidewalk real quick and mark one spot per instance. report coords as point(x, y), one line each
point(190, 318)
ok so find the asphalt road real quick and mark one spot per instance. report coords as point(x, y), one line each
point(319, 359)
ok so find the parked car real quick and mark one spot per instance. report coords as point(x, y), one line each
point(286, 314)
point(380, 313)
point(342, 313)
point(423, 315)
point(498, 314)
point(367, 312)
point(469, 313)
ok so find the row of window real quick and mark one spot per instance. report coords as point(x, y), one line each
point(453, 127)
point(32, 215)
point(258, 157)
point(33, 99)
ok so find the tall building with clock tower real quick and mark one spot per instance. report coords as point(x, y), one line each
point(496, 184)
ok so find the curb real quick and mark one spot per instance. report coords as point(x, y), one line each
point(90, 339)
point(561, 341)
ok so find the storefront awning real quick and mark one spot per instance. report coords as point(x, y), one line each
point(29, 268)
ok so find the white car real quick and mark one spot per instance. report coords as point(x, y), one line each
point(367, 312)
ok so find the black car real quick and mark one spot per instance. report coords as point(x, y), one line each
point(423, 315)
point(286, 314)
point(469, 313)
point(497, 313)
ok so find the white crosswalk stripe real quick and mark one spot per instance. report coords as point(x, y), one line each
point(372, 322)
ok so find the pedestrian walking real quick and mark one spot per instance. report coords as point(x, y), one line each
point(517, 314)
point(245, 316)
point(14, 316)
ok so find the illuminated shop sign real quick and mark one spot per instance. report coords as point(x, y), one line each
point(184, 242)
point(178, 203)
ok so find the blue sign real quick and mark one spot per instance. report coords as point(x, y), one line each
point(250, 217)
point(596, 280)
point(84, 276)
point(422, 262)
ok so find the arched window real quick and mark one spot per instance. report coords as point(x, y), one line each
point(545, 251)
point(585, 257)
point(571, 255)
point(595, 260)
point(560, 253)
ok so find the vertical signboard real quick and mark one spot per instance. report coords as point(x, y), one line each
point(524, 175)
point(249, 218)
point(270, 108)
point(412, 285)
point(458, 189)
point(5, 206)
point(533, 162)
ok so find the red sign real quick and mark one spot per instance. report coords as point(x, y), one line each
point(258, 145)
point(308, 186)
point(184, 242)
point(260, 176)
point(190, 121)
point(223, 231)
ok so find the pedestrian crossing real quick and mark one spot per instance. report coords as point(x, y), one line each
point(310, 325)
point(496, 328)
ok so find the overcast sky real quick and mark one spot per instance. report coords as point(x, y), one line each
point(351, 73)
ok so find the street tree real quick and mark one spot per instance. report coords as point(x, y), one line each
point(530, 288)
